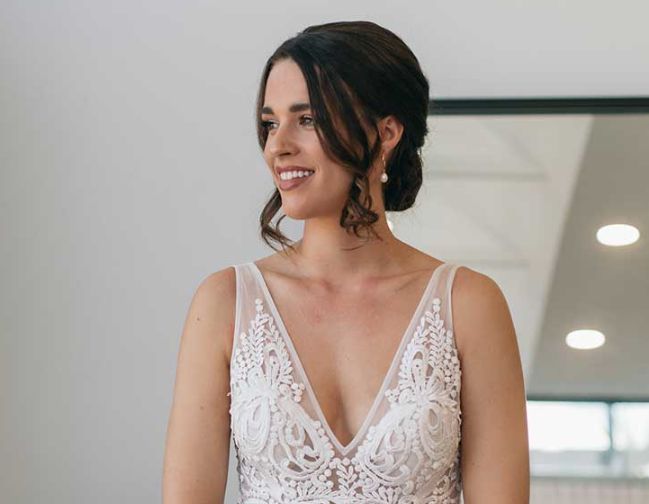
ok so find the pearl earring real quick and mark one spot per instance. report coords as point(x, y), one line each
point(384, 175)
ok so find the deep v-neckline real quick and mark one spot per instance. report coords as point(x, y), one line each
point(344, 449)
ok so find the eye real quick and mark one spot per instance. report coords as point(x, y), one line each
point(266, 125)
point(308, 118)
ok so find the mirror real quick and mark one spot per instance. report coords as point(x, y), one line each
point(518, 190)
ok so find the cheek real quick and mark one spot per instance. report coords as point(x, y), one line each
point(335, 176)
point(270, 160)
point(312, 146)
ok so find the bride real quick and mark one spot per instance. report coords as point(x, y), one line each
point(348, 366)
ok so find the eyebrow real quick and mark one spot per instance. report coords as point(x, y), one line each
point(296, 107)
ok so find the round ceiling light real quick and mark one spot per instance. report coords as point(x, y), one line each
point(585, 339)
point(618, 235)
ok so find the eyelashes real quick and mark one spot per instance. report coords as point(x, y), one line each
point(266, 125)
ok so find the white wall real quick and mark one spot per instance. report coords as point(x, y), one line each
point(130, 171)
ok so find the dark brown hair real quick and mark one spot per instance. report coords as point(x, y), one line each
point(356, 72)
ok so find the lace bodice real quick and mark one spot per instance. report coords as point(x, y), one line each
point(408, 448)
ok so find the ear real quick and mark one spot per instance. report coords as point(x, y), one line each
point(390, 131)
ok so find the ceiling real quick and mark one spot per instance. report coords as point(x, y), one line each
point(520, 197)
point(600, 287)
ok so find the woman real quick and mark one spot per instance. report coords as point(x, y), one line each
point(302, 354)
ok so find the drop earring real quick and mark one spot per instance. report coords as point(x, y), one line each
point(384, 175)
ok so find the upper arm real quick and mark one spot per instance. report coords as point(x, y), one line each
point(494, 446)
point(198, 433)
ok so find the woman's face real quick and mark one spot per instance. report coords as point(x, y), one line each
point(293, 142)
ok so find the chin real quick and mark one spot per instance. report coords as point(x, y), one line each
point(297, 213)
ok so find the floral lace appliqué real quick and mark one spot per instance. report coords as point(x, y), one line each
point(409, 456)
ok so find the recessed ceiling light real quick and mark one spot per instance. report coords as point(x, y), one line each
point(585, 339)
point(617, 235)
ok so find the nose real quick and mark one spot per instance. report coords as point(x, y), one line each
point(280, 141)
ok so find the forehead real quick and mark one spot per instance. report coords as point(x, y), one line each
point(285, 86)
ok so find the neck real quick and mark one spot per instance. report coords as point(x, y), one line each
point(328, 251)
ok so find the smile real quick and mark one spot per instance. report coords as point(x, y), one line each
point(291, 180)
point(295, 174)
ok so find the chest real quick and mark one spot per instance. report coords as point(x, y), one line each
point(346, 345)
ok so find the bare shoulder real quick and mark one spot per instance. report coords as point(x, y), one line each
point(495, 451)
point(213, 305)
point(198, 433)
point(219, 286)
point(469, 283)
point(477, 299)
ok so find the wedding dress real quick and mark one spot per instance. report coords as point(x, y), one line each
point(408, 448)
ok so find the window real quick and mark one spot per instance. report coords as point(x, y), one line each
point(588, 438)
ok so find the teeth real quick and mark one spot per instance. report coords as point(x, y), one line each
point(295, 174)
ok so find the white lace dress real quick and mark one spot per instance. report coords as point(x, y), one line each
point(408, 449)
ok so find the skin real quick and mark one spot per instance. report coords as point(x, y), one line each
point(337, 284)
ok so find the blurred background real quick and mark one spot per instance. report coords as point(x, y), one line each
point(130, 170)
point(550, 197)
